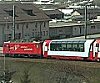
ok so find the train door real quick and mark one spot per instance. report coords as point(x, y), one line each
point(46, 48)
point(6, 48)
point(38, 47)
point(96, 50)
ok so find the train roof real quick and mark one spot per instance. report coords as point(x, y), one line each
point(24, 41)
point(73, 41)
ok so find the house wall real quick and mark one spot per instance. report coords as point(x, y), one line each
point(1, 34)
point(74, 30)
point(78, 30)
point(24, 30)
point(7, 28)
point(91, 29)
point(94, 28)
point(98, 27)
point(60, 32)
point(68, 31)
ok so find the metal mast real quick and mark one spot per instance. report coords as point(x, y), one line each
point(85, 21)
point(13, 30)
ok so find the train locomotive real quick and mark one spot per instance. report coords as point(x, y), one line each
point(77, 49)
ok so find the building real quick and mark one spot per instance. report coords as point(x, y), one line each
point(67, 12)
point(30, 22)
point(63, 29)
point(60, 29)
point(54, 13)
point(79, 13)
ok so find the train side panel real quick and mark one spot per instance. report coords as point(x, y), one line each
point(46, 48)
point(6, 49)
point(68, 49)
point(96, 50)
point(32, 48)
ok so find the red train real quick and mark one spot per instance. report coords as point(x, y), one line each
point(77, 49)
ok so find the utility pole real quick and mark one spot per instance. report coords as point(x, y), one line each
point(13, 30)
point(85, 21)
point(40, 31)
point(4, 69)
point(4, 63)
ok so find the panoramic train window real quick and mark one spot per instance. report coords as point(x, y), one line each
point(81, 47)
point(52, 47)
point(55, 46)
point(75, 47)
point(64, 46)
point(67, 46)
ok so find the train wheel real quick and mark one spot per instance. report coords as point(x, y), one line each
point(7, 55)
point(41, 56)
point(98, 60)
point(14, 55)
point(85, 59)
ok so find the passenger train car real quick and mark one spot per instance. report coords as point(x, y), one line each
point(77, 49)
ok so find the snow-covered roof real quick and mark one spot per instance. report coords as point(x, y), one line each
point(66, 11)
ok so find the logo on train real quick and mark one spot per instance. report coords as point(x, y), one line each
point(16, 47)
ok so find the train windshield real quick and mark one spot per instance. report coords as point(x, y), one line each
point(67, 46)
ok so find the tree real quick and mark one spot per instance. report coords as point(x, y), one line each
point(97, 2)
point(25, 77)
point(6, 78)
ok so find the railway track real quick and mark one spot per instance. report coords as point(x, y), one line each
point(53, 61)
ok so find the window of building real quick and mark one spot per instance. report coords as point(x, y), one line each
point(38, 34)
point(44, 24)
point(32, 34)
point(17, 35)
point(80, 30)
point(74, 28)
point(17, 26)
point(26, 25)
point(93, 27)
point(7, 26)
point(29, 12)
point(46, 32)
point(60, 30)
point(36, 25)
point(40, 26)
point(10, 12)
point(8, 37)
point(35, 33)
point(43, 33)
